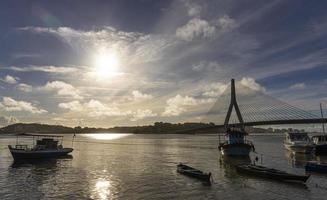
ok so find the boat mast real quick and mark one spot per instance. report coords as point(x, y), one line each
point(322, 119)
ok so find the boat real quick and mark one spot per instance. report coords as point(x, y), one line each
point(47, 146)
point(265, 172)
point(298, 142)
point(192, 172)
point(236, 144)
point(316, 167)
point(320, 142)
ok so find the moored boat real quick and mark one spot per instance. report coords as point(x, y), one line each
point(320, 142)
point(236, 144)
point(298, 142)
point(265, 172)
point(316, 167)
point(47, 146)
point(192, 172)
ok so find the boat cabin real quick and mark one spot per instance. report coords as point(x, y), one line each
point(295, 136)
point(235, 136)
point(319, 139)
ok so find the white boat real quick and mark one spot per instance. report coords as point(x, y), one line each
point(236, 144)
point(298, 142)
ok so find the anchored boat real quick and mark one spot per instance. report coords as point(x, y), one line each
point(316, 167)
point(320, 142)
point(236, 144)
point(270, 173)
point(298, 142)
point(47, 146)
point(192, 172)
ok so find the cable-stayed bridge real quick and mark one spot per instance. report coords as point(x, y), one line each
point(243, 106)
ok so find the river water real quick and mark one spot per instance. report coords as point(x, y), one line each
point(126, 166)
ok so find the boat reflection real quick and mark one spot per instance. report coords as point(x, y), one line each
point(106, 136)
point(228, 163)
point(298, 160)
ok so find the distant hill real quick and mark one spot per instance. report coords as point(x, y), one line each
point(156, 128)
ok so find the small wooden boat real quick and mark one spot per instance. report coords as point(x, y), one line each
point(195, 173)
point(270, 173)
point(316, 167)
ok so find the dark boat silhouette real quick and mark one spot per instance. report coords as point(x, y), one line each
point(46, 147)
point(265, 172)
point(192, 172)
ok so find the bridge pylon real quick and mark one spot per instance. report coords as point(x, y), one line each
point(233, 103)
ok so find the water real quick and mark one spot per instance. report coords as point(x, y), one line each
point(144, 167)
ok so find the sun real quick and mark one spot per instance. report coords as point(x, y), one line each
point(106, 65)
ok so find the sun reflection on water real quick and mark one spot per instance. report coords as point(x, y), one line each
point(107, 136)
point(102, 188)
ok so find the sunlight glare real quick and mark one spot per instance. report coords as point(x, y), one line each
point(106, 65)
point(107, 136)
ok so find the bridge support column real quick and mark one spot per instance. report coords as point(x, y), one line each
point(233, 103)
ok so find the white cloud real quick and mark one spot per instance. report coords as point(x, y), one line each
point(63, 89)
point(24, 87)
point(252, 84)
point(193, 9)
point(139, 96)
point(141, 114)
point(10, 79)
point(48, 69)
point(179, 104)
point(210, 66)
point(195, 28)
point(73, 106)
point(5, 121)
point(226, 23)
point(10, 104)
point(298, 86)
point(215, 89)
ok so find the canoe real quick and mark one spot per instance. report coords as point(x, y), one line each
point(270, 173)
point(192, 172)
point(316, 167)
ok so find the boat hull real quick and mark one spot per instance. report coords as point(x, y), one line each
point(321, 149)
point(315, 167)
point(264, 172)
point(194, 173)
point(40, 154)
point(235, 149)
point(299, 148)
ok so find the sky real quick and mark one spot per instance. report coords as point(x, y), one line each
point(108, 63)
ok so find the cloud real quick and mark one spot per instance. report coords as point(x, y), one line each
point(9, 104)
point(298, 86)
point(226, 23)
point(47, 69)
point(195, 28)
point(5, 121)
point(179, 104)
point(24, 87)
point(193, 9)
point(139, 96)
point(215, 89)
point(210, 66)
point(73, 106)
point(10, 79)
point(62, 89)
point(141, 114)
point(252, 84)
